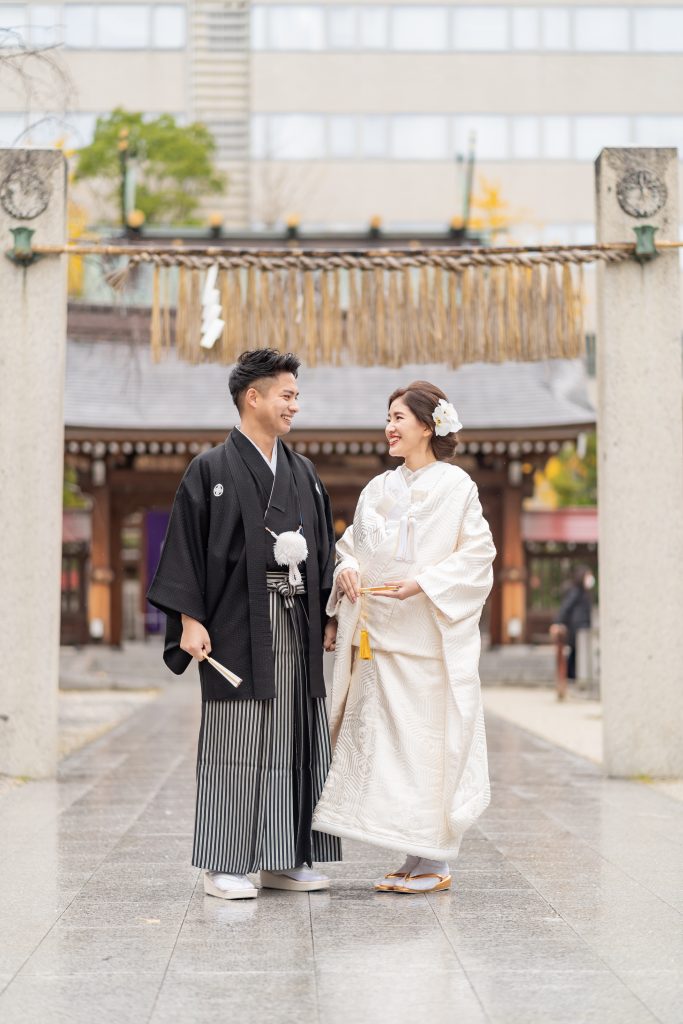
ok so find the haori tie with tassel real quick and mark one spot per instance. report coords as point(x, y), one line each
point(290, 550)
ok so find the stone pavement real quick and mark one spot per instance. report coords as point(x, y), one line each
point(567, 904)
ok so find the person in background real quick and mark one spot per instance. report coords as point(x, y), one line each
point(574, 613)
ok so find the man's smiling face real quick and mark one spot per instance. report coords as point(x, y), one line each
point(276, 403)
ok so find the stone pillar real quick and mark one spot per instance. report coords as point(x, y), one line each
point(640, 470)
point(32, 355)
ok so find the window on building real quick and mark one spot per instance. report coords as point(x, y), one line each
point(13, 24)
point(259, 137)
point(556, 234)
point(374, 136)
point(342, 28)
point(480, 28)
point(296, 136)
point(584, 234)
point(419, 28)
point(525, 28)
point(258, 24)
point(594, 133)
point(555, 33)
point(46, 24)
point(123, 26)
point(658, 29)
point(341, 136)
point(11, 127)
point(168, 26)
point(46, 130)
point(490, 135)
point(525, 138)
point(373, 26)
point(80, 128)
point(660, 131)
point(79, 26)
point(555, 137)
point(296, 28)
point(419, 137)
point(601, 28)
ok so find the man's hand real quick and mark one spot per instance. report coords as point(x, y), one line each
point(404, 590)
point(330, 637)
point(349, 581)
point(195, 639)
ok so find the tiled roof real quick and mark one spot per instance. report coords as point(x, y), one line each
point(116, 385)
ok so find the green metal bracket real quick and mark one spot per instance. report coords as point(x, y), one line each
point(645, 242)
point(22, 250)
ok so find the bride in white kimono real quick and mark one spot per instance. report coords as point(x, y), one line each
point(410, 770)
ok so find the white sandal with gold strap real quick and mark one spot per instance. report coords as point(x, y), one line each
point(384, 885)
point(443, 883)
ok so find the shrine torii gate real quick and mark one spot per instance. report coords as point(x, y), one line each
point(640, 413)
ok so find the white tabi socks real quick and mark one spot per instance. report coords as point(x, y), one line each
point(390, 881)
point(427, 867)
point(407, 876)
point(299, 879)
point(228, 887)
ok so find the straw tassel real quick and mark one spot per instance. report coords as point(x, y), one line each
point(499, 340)
point(512, 311)
point(155, 340)
point(364, 325)
point(326, 329)
point(194, 316)
point(337, 318)
point(527, 309)
point(453, 341)
point(310, 320)
point(166, 310)
point(181, 309)
point(396, 351)
point(577, 309)
point(408, 316)
point(292, 310)
point(380, 318)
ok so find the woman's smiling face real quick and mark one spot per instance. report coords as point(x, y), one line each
point(405, 433)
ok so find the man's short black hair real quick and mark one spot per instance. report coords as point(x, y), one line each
point(258, 364)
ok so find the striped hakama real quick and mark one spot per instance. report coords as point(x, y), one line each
point(262, 764)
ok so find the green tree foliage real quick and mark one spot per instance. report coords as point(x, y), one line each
point(72, 496)
point(574, 479)
point(174, 163)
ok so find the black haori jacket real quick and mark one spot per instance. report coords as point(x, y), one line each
point(214, 560)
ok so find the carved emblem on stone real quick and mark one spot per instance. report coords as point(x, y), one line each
point(24, 194)
point(641, 193)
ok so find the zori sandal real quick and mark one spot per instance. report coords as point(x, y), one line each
point(443, 883)
point(384, 885)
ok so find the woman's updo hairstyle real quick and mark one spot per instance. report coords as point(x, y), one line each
point(422, 398)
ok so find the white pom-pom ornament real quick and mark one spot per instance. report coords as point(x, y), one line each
point(290, 549)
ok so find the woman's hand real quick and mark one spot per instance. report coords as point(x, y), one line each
point(195, 639)
point(349, 582)
point(330, 637)
point(404, 590)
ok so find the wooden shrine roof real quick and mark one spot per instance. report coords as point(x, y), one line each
point(115, 386)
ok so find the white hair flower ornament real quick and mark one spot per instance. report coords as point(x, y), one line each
point(446, 419)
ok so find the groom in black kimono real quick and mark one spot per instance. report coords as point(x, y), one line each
point(264, 748)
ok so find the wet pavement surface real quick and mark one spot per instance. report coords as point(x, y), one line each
point(567, 902)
